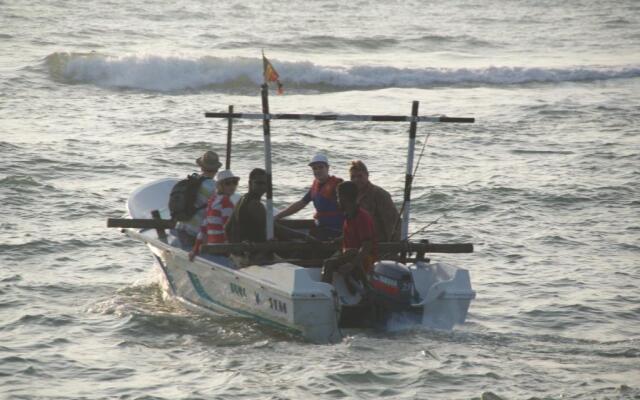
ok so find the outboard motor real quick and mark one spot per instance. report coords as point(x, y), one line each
point(392, 285)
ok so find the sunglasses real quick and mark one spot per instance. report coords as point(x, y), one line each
point(229, 182)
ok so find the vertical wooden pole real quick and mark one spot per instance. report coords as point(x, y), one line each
point(267, 158)
point(227, 163)
point(162, 235)
point(413, 127)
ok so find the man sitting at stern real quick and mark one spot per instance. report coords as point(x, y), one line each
point(359, 244)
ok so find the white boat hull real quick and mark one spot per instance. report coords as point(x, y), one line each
point(281, 295)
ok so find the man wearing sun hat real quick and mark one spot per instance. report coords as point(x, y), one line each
point(209, 164)
point(328, 216)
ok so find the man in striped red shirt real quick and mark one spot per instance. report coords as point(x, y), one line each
point(219, 209)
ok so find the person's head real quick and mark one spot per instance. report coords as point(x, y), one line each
point(258, 181)
point(209, 163)
point(320, 166)
point(347, 196)
point(226, 182)
point(359, 174)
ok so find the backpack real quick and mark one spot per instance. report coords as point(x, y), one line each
point(183, 197)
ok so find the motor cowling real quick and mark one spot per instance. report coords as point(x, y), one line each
point(392, 284)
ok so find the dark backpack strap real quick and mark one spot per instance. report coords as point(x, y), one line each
point(201, 178)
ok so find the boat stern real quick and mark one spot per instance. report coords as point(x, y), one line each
point(445, 294)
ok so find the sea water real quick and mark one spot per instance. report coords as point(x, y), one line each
point(98, 98)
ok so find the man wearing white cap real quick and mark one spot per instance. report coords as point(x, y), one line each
point(328, 216)
point(219, 209)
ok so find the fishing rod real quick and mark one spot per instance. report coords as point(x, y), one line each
point(435, 221)
point(304, 235)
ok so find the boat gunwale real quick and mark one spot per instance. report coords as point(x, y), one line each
point(234, 272)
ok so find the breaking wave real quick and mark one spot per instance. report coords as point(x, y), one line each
point(173, 74)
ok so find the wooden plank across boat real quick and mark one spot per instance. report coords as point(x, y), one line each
point(422, 247)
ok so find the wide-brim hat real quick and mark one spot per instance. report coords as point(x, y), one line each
point(209, 160)
point(226, 174)
point(319, 158)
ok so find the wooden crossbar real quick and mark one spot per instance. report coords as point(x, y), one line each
point(339, 117)
point(383, 248)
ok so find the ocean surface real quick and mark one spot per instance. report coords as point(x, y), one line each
point(98, 98)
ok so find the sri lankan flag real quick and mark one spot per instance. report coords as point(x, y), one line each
point(270, 74)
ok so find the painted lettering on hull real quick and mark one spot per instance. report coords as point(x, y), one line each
point(237, 290)
point(277, 305)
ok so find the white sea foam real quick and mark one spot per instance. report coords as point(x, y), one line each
point(168, 74)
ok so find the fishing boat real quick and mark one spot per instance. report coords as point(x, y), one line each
point(289, 293)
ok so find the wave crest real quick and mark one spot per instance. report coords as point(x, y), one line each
point(173, 73)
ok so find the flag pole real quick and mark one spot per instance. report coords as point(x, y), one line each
point(409, 175)
point(229, 131)
point(267, 157)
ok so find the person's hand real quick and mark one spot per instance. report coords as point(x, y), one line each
point(350, 252)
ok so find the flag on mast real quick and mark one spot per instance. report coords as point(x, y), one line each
point(270, 74)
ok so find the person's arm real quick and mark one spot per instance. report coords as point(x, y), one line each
point(344, 257)
point(199, 239)
point(228, 227)
point(292, 209)
point(366, 231)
